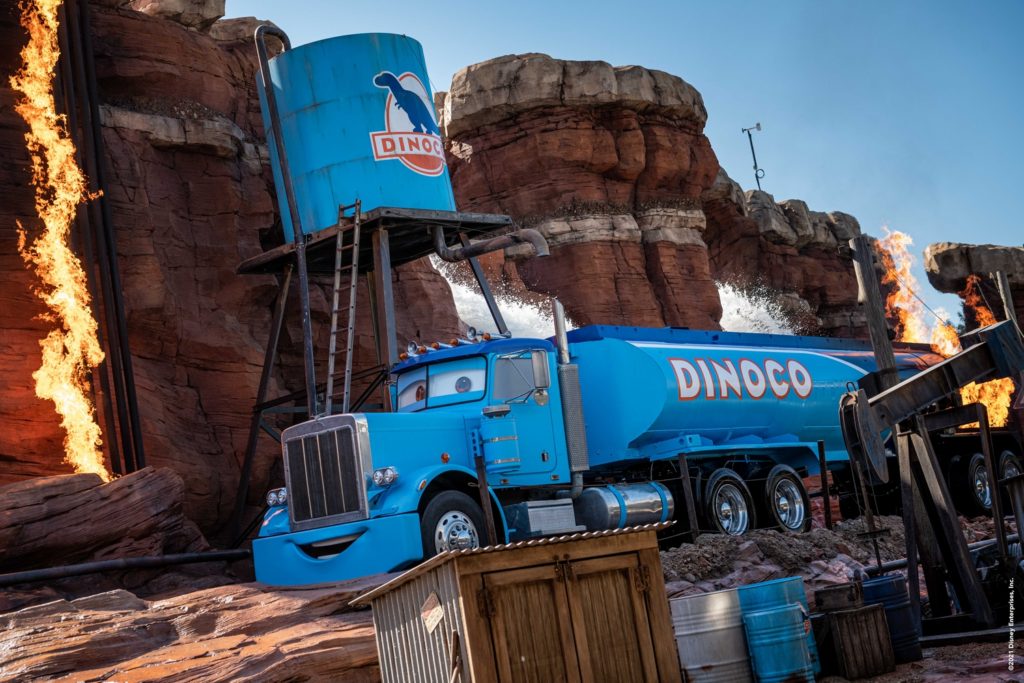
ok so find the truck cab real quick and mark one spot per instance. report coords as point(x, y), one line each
point(378, 492)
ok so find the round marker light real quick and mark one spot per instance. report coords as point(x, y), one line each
point(271, 498)
point(378, 477)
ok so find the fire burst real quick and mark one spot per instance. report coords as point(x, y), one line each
point(913, 327)
point(72, 349)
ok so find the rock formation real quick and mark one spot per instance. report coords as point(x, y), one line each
point(948, 264)
point(609, 163)
point(612, 165)
point(229, 633)
point(191, 197)
point(75, 517)
point(796, 256)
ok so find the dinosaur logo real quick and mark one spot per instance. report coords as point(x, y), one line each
point(411, 134)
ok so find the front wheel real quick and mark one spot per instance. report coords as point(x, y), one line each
point(786, 500)
point(451, 521)
point(728, 503)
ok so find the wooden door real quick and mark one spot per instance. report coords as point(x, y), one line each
point(607, 600)
point(531, 629)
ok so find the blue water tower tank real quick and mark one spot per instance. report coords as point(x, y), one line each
point(358, 122)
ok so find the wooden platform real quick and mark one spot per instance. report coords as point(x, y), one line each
point(411, 234)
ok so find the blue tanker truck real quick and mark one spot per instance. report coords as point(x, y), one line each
point(580, 432)
point(500, 439)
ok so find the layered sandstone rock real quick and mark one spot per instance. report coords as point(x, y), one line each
point(76, 517)
point(798, 257)
point(609, 164)
point(230, 633)
point(191, 197)
point(949, 263)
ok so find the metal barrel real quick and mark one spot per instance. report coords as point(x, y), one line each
point(710, 637)
point(757, 597)
point(778, 646)
point(358, 122)
point(890, 591)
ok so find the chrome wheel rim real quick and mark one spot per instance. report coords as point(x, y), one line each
point(979, 484)
point(788, 504)
point(455, 531)
point(730, 507)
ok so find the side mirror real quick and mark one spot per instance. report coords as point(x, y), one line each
point(541, 373)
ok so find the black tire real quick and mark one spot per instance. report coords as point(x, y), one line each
point(1009, 465)
point(976, 488)
point(454, 508)
point(785, 501)
point(728, 505)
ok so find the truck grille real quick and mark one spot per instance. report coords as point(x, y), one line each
point(324, 474)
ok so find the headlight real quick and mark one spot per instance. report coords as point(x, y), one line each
point(385, 476)
point(277, 497)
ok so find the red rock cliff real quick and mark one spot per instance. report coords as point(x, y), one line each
point(191, 196)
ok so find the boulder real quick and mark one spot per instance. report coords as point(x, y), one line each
point(76, 517)
point(948, 264)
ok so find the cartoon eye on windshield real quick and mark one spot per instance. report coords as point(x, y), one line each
point(463, 384)
point(412, 390)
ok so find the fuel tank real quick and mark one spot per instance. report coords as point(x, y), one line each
point(651, 392)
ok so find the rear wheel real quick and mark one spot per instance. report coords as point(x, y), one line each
point(786, 500)
point(451, 521)
point(978, 496)
point(728, 504)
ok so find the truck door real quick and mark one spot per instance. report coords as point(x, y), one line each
point(533, 414)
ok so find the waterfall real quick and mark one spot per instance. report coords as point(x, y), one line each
point(751, 312)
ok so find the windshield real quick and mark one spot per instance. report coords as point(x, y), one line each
point(441, 384)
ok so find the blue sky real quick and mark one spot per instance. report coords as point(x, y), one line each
point(906, 114)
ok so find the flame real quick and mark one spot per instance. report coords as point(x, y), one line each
point(898, 261)
point(912, 323)
point(71, 349)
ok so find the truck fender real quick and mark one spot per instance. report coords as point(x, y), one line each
point(426, 477)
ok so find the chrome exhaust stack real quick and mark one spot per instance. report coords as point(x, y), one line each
point(572, 403)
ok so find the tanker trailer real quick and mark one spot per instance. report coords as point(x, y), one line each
point(543, 438)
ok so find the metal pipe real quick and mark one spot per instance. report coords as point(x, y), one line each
point(561, 338)
point(456, 254)
point(901, 563)
point(153, 561)
point(293, 209)
point(138, 457)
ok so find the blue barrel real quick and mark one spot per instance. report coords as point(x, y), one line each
point(778, 645)
point(358, 122)
point(890, 591)
point(757, 597)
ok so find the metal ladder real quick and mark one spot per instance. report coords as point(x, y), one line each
point(350, 328)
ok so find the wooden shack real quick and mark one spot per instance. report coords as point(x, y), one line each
point(585, 607)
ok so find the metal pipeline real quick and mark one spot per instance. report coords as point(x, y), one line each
point(456, 254)
point(892, 565)
point(298, 236)
point(150, 562)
